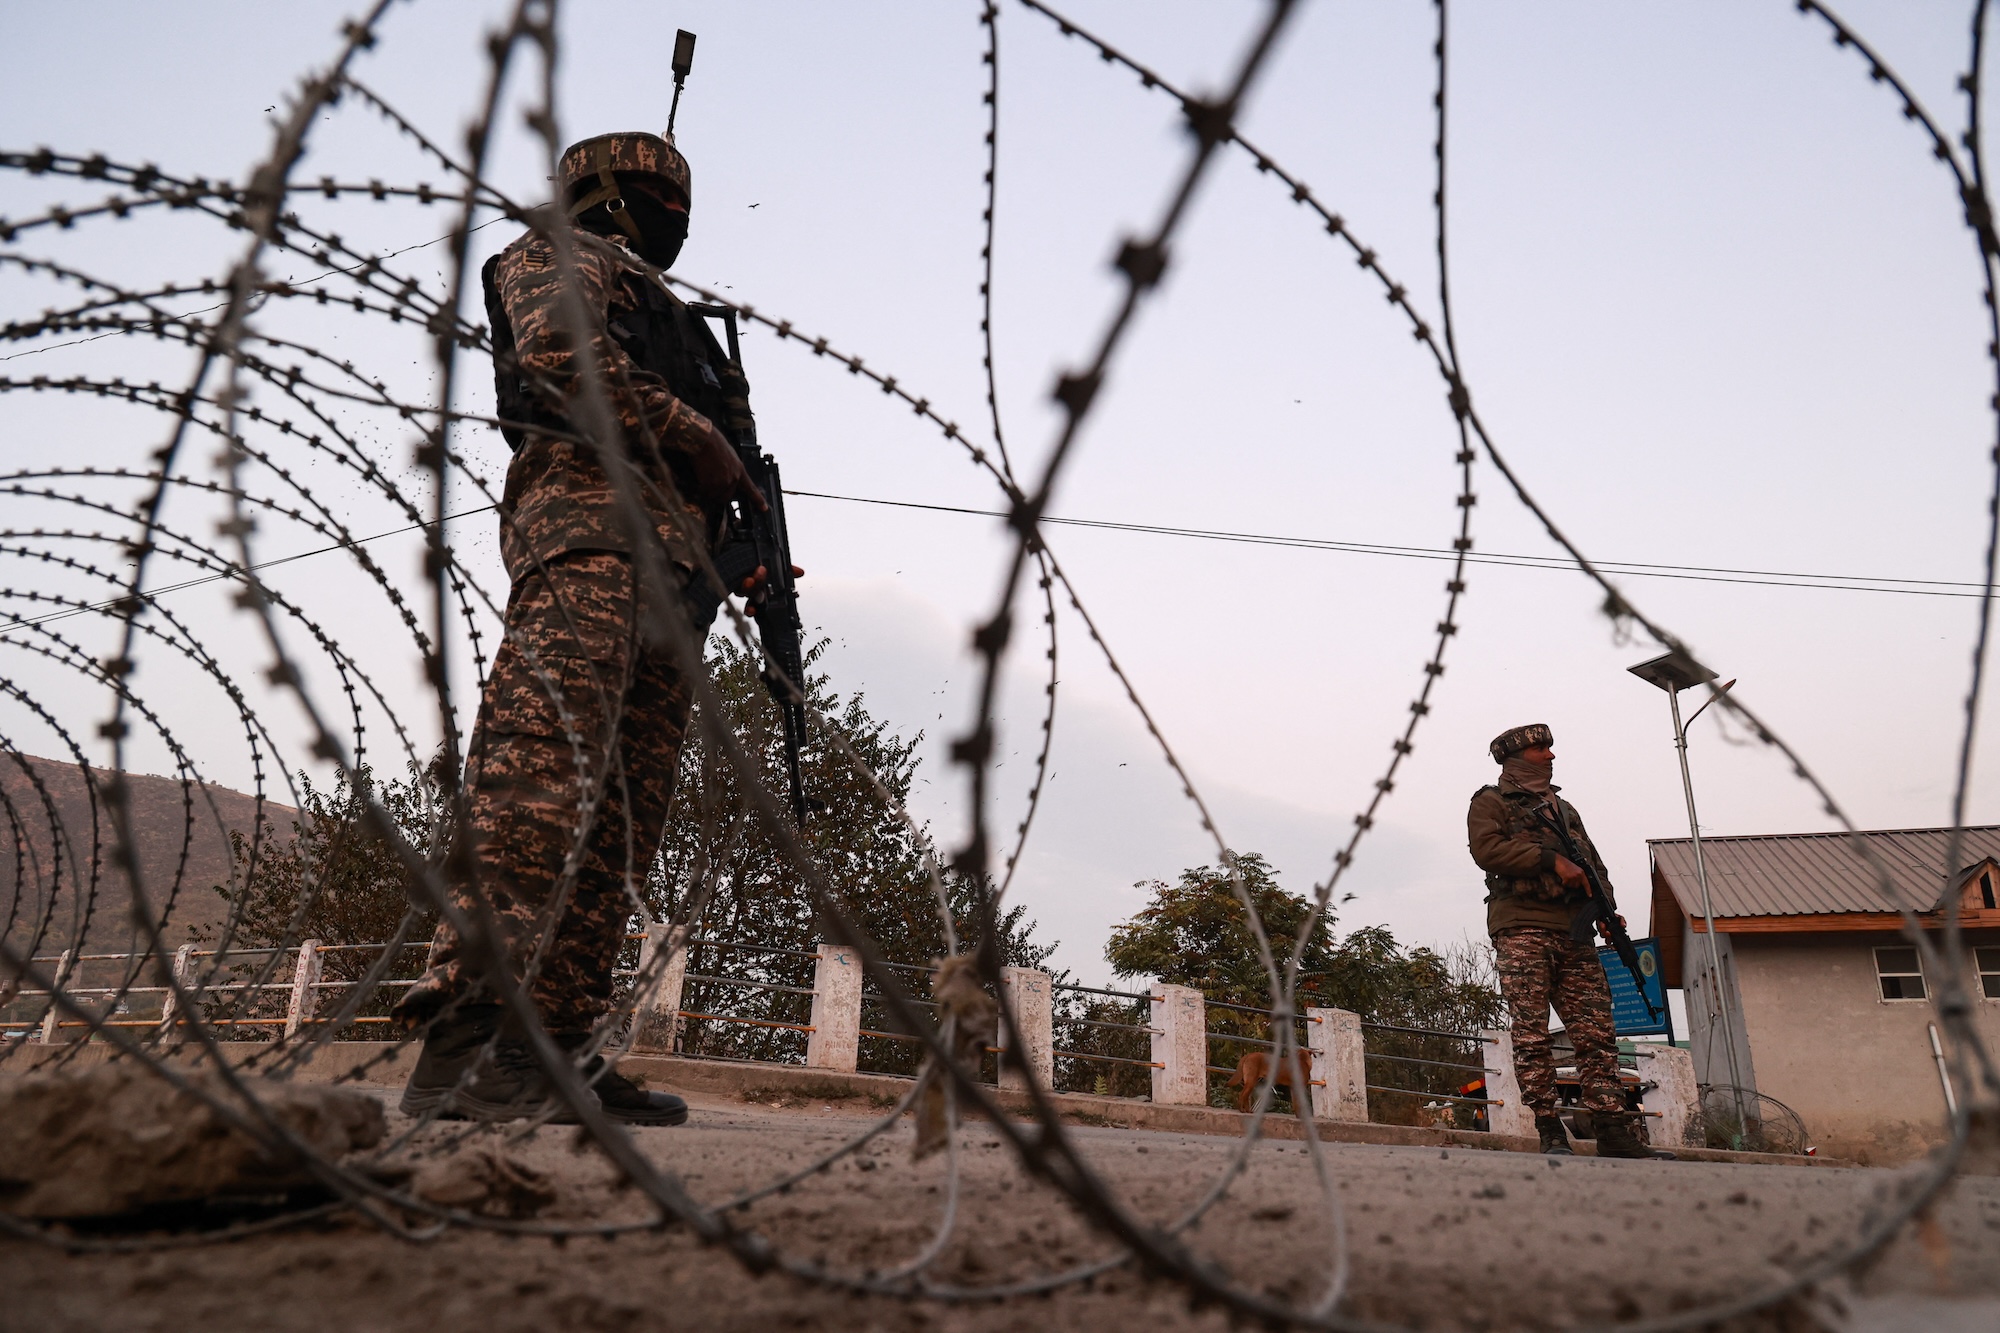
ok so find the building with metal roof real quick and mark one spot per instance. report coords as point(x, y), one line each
point(1830, 1000)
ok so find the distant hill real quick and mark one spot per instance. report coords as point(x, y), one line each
point(181, 832)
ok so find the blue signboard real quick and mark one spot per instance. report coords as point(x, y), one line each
point(1628, 1007)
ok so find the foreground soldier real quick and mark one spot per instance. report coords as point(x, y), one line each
point(1531, 889)
point(581, 723)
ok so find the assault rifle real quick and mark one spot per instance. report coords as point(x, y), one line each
point(755, 539)
point(1599, 909)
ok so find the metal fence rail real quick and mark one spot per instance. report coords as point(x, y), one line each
point(1099, 990)
point(1419, 1060)
point(1111, 1059)
point(1251, 1009)
point(1428, 1032)
point(654, 1008)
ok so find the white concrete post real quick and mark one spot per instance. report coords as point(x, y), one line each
point(170, 1008)
point(1675, 1095)
point(50, 1018)
point(1339, 1073)
point(1502, 1086)
point(1180, 1046)
point(656, 996)
point(1030, 995)
point(835, 1041)
point(305, 988)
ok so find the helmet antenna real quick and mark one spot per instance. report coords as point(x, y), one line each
point(683, 62)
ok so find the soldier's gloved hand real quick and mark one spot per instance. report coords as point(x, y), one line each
point(755, 583)
point(719, 473)
point(1571, 874)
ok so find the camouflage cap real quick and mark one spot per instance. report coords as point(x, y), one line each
point(1512, 742)
point(602, 158)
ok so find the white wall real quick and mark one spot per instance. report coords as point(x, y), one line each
point(1857, 1067)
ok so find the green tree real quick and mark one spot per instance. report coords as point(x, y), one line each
point(1196, 933)
point(332, 878)
point(720, 860)
point(1378, 978)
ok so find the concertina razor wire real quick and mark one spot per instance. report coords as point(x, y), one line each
point(275, 405)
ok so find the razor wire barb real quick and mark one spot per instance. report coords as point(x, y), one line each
point(238, 361)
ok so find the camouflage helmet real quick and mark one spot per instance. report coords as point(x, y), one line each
point(588, 173)
point(1510, 743)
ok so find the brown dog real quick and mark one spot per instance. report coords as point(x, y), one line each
point(1255, 1067)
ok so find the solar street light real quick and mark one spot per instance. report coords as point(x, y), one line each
point(1672, 673)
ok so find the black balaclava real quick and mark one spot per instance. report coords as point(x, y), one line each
point(662, 230)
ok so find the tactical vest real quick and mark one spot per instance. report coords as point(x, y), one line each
point(662, 336)
point(1522, 823)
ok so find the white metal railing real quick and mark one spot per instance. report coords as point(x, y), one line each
point(304, 987)
point(1177, 1032)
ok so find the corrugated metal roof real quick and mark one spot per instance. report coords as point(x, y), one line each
point(1797, 874)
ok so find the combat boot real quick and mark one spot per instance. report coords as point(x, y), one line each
point(451, 1044)
point(621, 1098)
point(1555, 1139)
point(472, 1069)
point(1616, 1138)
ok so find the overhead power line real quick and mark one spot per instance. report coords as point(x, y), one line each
point(27, 622)
point(1701, 573)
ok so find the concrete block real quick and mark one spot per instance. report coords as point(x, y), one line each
point(835, 1041)
point(54, 1015)
point(1340, 1074)
point(656, 994)
point(1031, 998)
point(184, 978)
point(305, 987)
point(1675, 1095)
point(1502, 1086)
point(1180, 1046)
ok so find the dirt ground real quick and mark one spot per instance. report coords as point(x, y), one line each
point(1439, 1240)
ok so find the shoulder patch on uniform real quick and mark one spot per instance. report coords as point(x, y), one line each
point(533, 252)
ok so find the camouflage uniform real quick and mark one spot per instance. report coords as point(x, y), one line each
point(1528, 915)
point(1539, 968)
point(558, 496)
point(577, 706)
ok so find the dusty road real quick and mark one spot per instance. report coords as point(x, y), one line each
point(1439, 1240)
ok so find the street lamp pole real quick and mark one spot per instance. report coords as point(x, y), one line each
point(1672, 674)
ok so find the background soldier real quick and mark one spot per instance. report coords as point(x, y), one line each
point(580, 726)
point(1531, 889)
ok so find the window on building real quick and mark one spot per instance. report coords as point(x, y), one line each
point(1901, 977)
point(1981, 891)
point(1989, 971)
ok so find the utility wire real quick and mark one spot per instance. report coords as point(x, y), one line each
point(150, 593)
point(1702, 573)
